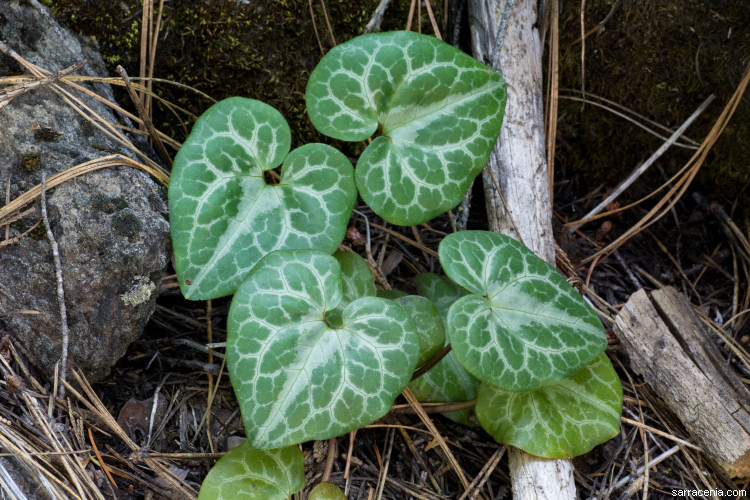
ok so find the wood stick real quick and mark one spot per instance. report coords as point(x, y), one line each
point(669, 346)
point(517, 185)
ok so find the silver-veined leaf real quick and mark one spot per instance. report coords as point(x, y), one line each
point(447, 381)
point(296, 376)
point(440, 291)
point(429, 325)
point(357, 281)
point(562, 420)
point(224, 216)
point(435, 111)
point(523, 326)
point(245, 473)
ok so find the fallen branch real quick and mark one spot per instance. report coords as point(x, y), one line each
point(517, 183)
point(670, 347)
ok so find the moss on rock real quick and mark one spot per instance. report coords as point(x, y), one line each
point(31, 161)
point(127, 225)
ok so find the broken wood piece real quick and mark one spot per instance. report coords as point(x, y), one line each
point(669, 346)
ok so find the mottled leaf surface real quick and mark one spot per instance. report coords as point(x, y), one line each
point(436, 114)
point(562, 420)
point(224, 216)
point(523, 326)
point(297, 377)
point(245, 473)
point(356, 276)
point(430, 328)
point(357, 282)
point(447, 381)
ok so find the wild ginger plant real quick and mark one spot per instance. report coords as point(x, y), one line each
point(312, 351)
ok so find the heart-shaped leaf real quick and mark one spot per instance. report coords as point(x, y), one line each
point(225, 216)
point(436, 113)
point(562, 420)
point(447, 381)
point(429, 325)
point(250, 474)
point(296, 376)
point(523, 326)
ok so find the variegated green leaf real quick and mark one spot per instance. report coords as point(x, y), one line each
point(562, 420)
point(440, 291)
point(447, 381)
point(296, 376)
point(357, 281)
point(224, 216)
point(429, 325)
point(245, 473)
point(523, 326)
point(436, 113)
point(356, 276)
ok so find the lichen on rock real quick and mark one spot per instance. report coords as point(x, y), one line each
point(139, 293)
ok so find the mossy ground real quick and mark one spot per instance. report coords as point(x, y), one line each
point(662, 60)
point(264, 49)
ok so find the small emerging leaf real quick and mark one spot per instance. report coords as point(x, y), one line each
point(435, 111)
point(523, 326)
point(296, 376)
point(245, 473)
point(326, 491)
point(224, 216)
point(562, 420)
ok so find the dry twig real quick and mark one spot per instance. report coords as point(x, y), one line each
point(60, 288)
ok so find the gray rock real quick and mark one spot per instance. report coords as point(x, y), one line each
point(110, 225)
